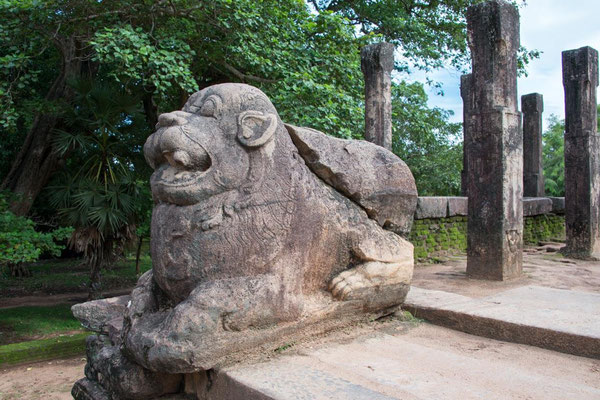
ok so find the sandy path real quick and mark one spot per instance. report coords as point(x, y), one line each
point(47, 380)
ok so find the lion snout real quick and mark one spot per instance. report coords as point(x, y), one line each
point(170, 119)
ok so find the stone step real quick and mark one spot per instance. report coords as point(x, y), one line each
point(427, 362)
point(562, 320)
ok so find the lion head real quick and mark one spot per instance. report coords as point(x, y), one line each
point(212, 145)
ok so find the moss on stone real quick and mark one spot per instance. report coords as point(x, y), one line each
point(449, 235)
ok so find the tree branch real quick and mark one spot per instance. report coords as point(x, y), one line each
point(93, 16)
point(245, 77)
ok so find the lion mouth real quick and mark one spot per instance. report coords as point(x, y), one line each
point(182, 169)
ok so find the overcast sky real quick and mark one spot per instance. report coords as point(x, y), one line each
point(550, 26)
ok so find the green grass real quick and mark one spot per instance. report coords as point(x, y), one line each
point(44, 349)
point(25, 323)
point(68, 276)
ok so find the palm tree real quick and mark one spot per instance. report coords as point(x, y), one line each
point(98, 196)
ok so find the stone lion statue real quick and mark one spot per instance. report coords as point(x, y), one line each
point(258, 229)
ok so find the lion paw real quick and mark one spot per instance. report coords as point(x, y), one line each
point(347, 284)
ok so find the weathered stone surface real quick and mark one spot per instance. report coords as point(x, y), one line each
point(368, 174)
point(377, 63)
point(466, 92)
point(458, 206)
point(558, 205)
point(431, 207)
point(495, 153)
point(248, 245)
point(532, 106)
point(582, 153)
point(94, 315)
point(85, 389)
point(561, 320)
point(423, 362)
point(118, 377)
point(536, 206)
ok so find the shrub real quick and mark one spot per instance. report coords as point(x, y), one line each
point(21, 243)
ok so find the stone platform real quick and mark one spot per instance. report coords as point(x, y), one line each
point(555, 319)
point(425, 362)
point(555, 304)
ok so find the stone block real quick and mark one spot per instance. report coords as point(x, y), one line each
point(458, 206)
point(536, 206)
point(370, 175)
point(431, 207)
point(95, 315)
point(558, 205)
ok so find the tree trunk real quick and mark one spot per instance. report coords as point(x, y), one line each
point(150, 108)
point(35, 163)
point(95, 261)
point(19, 270)
point(137, 256)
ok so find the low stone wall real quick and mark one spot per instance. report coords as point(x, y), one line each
point(440, 224)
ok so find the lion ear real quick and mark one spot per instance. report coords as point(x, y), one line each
point(256, 128)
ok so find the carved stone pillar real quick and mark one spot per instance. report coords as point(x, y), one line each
point(377, 63)
point(466, 93)
point(532, 106)
point(495, 154)
point(582, 153)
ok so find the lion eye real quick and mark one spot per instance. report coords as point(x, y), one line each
point(210, 108)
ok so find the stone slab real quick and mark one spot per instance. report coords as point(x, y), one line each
point(536, 206)
point(431, 207)
point(441, 207)
point(458, 206)
point(425, 362)
point(96, 315)
point(558, 205)
point(563, 320)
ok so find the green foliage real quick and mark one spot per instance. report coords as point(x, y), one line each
point(22, 323)
point(132, 56)
point(20, 242)
point(72, 276)
point(426, 141)
point(99, 193)
point(427, 34)
point(553, 156)
point(305, 58)
point(43, 349)
point(98, 197)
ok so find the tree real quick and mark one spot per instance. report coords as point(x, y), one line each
point(553, 156)
point(427, 34)
point(306, 60)
point(98, 198)
point(426, 141)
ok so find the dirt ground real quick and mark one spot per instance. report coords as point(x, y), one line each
point(46, 380)
point(542, 266)
point(54, 299)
